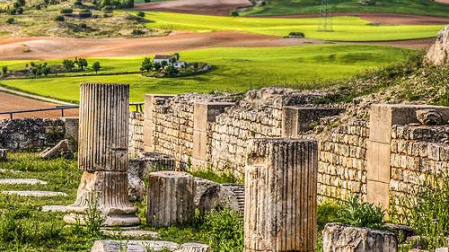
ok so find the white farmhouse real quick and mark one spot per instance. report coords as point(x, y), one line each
point(167, 58)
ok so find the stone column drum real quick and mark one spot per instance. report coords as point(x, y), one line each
point(170, 198)
point(281, 195)
point(103, 155)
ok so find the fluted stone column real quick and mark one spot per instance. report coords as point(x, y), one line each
point(170, 198)
point(103, 155)
point(280, 190)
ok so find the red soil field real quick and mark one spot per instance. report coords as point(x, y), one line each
point(58, 48)
point(203, 7)
point(9, 102)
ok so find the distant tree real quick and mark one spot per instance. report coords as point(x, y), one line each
point(10, 21)
point(46, 70)
point(147, 65)
point(177, 56)
point(195, 65)
point(96, 67)
point(59, 18)
point(171, 71)
point(21, 2)
point(105, 3)
point(82, 63)
point(164, 64)
point(4, 70)
point(173, 60)
point(20, 10)
point(147, 1)
point(68, 64)
point(141, 14)
point(157, 66)
point(235, 13)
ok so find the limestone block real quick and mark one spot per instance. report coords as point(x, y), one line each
point(208, 195)
point(340, 238)
point(59, 150)
point(170, 198)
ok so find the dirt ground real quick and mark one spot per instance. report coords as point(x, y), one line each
point(442, 1)
point(57, 48)
point(9, 102)
point(204, 7)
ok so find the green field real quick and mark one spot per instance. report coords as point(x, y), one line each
point(235, 70)
point(346, 28)
point(291, 7)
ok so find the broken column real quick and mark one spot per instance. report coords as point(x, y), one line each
point(170, 198)
point(281, 195)
point(103, 156)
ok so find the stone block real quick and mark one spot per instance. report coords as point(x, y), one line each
point(151, 101)
point(71, 130)
point(340, 238)
point(378, 193)
point(297, 120)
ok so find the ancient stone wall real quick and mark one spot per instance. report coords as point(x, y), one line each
point(30, 134)
point(416, 151)
point(342, 161)
point(135, 134)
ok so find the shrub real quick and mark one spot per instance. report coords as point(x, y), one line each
point(108, 9)
point(66, 11)
point(12, 12)
point(425, 209)
point(10, 21)
point(85, 14)
point(141, 14)
point(234, 13)
point(225, 230)
point(136, 32)
point(83, 26)
point(59, 19)
point(20, 10)
point(358, 214)
point(297, 35)
point(78, 3)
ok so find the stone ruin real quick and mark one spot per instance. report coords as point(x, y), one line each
point(438, 54)
point(103, 156)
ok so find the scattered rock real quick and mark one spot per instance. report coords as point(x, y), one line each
point(22, 182)
point(343, 238)
point(129, 233)
point(34, 193)
point(59, 150)
point(54, 208)
point(429, 117)
point(136, 187)
point(438, 54)
point(193, 247)
point(208, 195)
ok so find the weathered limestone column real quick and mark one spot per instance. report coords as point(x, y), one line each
point(297, 120)
point(382, 119)
point(281, 195)
point(170, 198)
point(148, 125)
point(103, 155)
point(204, 113)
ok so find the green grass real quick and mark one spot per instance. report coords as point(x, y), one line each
point(235, 70)
point(346, 28)
point(291, 7)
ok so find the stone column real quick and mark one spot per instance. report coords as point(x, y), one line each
point(103, 155)
point(170, 198)
point(281, 195)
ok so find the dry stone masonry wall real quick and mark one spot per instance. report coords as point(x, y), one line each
point(416, 152)
point(342, 161)
point(30, 134)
